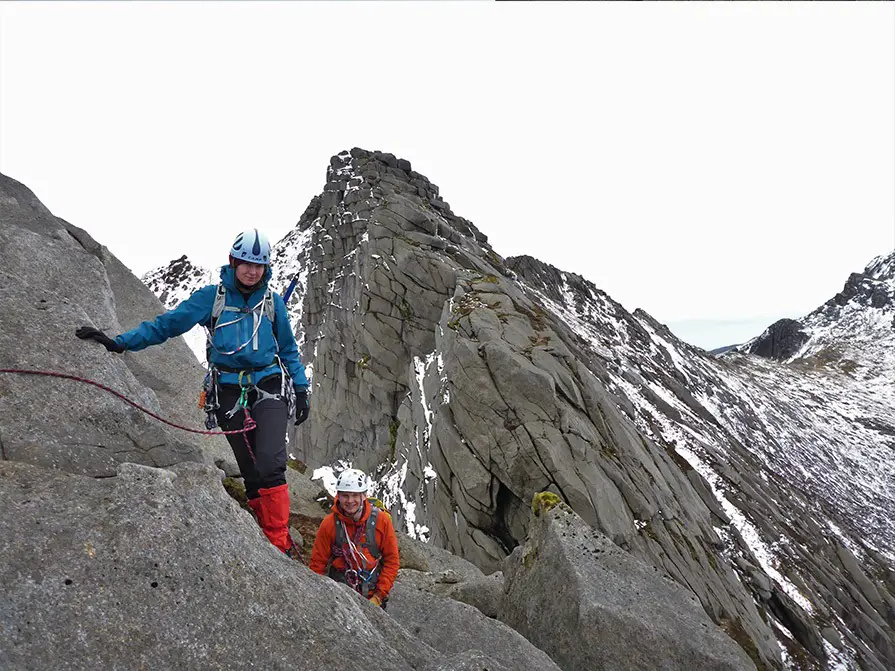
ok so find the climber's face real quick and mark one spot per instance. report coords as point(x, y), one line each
point(351, 503)
point(250, 273)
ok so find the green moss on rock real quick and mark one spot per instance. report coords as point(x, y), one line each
point(544, 501)
point(297, 465)
point(648, 530)
point(393, 427)
point(237, 490)
point(528, 559)
point(735, 630)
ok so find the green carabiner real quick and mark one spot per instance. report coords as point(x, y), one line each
point(243, 392)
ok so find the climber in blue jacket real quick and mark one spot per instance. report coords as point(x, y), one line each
point(254, 365)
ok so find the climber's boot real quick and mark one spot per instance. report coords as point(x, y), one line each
point(273, 516)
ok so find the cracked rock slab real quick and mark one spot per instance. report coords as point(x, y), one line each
point(569, 583)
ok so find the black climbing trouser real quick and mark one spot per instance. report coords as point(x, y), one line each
point(267, 440)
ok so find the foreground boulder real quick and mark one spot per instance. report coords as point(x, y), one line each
point(437, 571)
point(471, 660)
point(452, 627)
point(162, 569)
point(569, 584)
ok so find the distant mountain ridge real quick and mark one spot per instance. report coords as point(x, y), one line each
point(854, 330)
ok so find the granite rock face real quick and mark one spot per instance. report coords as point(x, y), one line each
point(437, 369)
point(452, 628)
point(54, 278)
point(160, 568)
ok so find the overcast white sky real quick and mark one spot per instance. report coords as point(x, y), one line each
point(718, 165)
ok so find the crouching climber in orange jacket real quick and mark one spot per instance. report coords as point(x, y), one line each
point(356, 543)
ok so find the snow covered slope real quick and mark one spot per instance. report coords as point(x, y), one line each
point(799, 454)
point(173, 283)
point(853, 331)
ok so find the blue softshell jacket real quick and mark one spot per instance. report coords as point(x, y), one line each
point(197, 310)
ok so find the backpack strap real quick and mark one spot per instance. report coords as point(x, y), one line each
point(369, 542)
point(220, 300)
point(338, 542)
point(370, 533)
point(270, 309)
point(366, 584)
point(220, 304)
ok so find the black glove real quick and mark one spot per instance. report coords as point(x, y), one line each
point(302, 407)
point(90, 333)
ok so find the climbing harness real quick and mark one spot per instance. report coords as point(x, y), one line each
point(360, 575)
point(248, 424)
point(208, 396)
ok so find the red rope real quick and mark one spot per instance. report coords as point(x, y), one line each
point(249, 422)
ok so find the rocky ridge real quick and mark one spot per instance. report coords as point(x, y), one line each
point(853, 331)
point(468, 382)
point(126, 550)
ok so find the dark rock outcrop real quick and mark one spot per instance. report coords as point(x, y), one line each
point(780, 341)
point(173, 283)
point(866, 290)
point(851, 331)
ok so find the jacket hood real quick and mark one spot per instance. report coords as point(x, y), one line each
point(228, 278)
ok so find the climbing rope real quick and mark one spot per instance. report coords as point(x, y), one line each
point(248, 425)
point(357, 576)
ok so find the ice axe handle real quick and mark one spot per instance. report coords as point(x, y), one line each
point(290, 289)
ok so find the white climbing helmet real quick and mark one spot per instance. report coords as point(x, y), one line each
point(251, 246)
point(351, 480)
